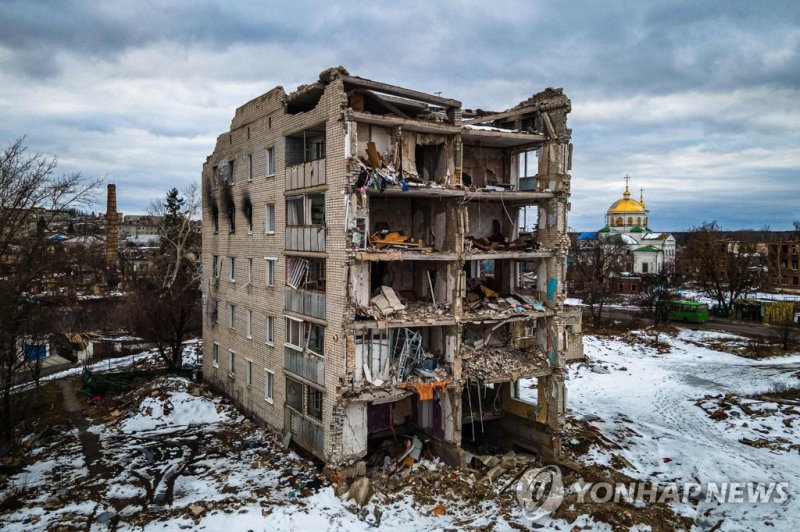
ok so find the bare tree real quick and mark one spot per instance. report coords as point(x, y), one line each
point(597, 264)
point(31, 196)
point(165, 304)
point(723, 269)
point(780, 316)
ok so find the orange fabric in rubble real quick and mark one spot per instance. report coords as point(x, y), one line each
point(425, 389)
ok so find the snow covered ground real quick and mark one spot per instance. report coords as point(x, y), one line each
point(175, 456)
point(655, 408)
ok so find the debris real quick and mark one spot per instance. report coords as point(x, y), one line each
point(438, 510)
point(360, 491)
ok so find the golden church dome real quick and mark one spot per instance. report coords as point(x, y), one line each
point(626, 204)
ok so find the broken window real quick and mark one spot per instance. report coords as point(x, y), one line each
point(294, 210)
point(307, 274)
point(232, 316)
point(316, 338)
point(215, 175)
point(314, 403)
point(232, 269)
point(294, 333)
point(215, 354)
point(307, 145)
point(215, 266)
point(305, 210)
point(294, 395)
point(250, 166)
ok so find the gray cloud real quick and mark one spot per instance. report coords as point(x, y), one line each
point(688, 97)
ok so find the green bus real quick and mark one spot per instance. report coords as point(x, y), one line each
point(689, 311)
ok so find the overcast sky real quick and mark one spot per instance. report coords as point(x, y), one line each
point(698, 101)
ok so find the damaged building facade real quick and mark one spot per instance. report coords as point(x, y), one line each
point(380, 263)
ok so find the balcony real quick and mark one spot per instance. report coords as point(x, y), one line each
point(305, 238)
point(307, 302)
point(304, 432)
point(305, 175)
point(310, 367)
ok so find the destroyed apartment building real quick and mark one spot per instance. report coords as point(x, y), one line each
point(381, 264)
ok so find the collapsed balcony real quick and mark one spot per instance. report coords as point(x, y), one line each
point(500, 289)
point(413, 359)
point(397, 292)
point(506, 351)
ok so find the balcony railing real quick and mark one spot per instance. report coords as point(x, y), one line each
point(306, 302)
point(304, 175)
point(305, 238)
point(304, 432)
point(310, 367)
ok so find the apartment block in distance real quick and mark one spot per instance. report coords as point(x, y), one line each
point(381, 264)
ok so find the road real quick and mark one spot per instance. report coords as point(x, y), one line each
point(715, 324)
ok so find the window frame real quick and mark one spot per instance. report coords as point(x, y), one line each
point(248, 324)
point(248, 372)
point(249, 270)
point(232, 316)
point(231, 362)
point(270, 273)
point(269, 218)
point(249, 167)
point(269, 161)
point(270, 332)
point(215, 354)
point(269, 386)
point(300, 336)
point(232, 269)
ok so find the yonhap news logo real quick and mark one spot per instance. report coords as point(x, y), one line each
point(541, 491)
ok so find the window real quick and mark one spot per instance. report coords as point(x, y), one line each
point(215, 175)
point(314, 403)
point(269, 386)
point(270, 330)
point(215, 266)
point(249, 271)
point(316, 338)
point(271, 272)
point(294, 395)
point(250, 167)
point(269, 218)
point(270, 161)
point(213, 311)
point(294, 333)
point(232, 316)
point(231, 175)
point(215, 354)
point(248, 372)
point(231, 362)
point(248, 317)
point(294, 211)
point(232, 269)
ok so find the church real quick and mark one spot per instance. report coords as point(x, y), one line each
point(627, 220)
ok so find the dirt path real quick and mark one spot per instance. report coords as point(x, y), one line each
point(90, 442)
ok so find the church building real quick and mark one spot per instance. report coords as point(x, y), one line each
point(629, 219)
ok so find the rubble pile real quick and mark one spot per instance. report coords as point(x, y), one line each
point(766, 421)
point(500, 243)
point(481, 299)
point(502, 364)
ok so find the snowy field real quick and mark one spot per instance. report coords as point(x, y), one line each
point(177, 457)
point(657, 410)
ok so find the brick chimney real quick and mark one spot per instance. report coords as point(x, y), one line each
point(112, 226)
